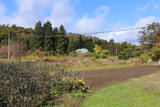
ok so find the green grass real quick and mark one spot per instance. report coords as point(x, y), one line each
point(98, 67)
point(140, 92)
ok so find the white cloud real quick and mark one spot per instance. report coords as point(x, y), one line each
point(59, 12)
point(63, 12)
point(144, 21)
point(130, 36)
point(91, 24)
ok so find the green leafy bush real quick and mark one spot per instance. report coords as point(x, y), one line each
point(126, 51)
point(156, 52)
point(73, 53)
point(99, 52)
point(144, 58)
point(126, 54)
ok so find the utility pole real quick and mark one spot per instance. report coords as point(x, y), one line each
point(9, 43)
point(116, 51)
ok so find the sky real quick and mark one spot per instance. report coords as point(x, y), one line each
point(84, 16)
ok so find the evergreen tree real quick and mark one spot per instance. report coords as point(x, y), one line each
point(61, 41)
point(80, 42)
point(75, 42)
point(62, 30)
point(61, 44)
point(37, 41)
point(112, 47)
point(48, 36)
point(55, 31)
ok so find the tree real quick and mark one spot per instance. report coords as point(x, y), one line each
point(126, 51)
point(48, 36)
point(61, 44)
point(62, 30)
point(112, 47)
point(75, 42)
point(55, 31)
point(149, 35)
point(61, 41)
point(100, 53)
point(37, 41)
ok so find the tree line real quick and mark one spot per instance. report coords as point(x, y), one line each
point(56, 41)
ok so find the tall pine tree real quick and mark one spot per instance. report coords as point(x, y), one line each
point(36, 42)
point(61, 41)
point(48, 36)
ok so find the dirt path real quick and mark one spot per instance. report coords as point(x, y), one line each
point(99, 78)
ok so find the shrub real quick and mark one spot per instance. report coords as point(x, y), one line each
point(126, 54)
point(73, 53)
point(156, 52)
point(126, 51)
point(100, 53)
point(20, 88)
point(29, 85)
point(144, 58)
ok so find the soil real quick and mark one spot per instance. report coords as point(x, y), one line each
point(100, 78)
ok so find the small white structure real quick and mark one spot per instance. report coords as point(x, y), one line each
point(149, 61)
point(83, 50)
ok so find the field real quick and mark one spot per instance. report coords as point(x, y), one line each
point(100, 78)
point(112, 82)
point(135, 92)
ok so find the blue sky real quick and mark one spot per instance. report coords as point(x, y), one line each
point(83, 15)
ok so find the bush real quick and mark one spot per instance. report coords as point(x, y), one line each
point(99, 52)
point(20, 88)
point(27, 85)
point(73, 53)
point(156, 52)
point(144, 58)
point(126, 54)
point(126, 51)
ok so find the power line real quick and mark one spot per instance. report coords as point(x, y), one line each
point(91, 33)
point(118, 30)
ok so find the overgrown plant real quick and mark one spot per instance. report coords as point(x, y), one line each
point(145, 58)
point(99, 52)
point(156, 52)
point(28, 85)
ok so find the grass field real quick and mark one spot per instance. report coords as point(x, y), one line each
point(139, 92)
